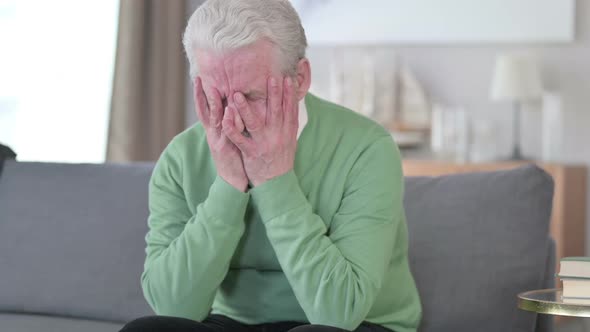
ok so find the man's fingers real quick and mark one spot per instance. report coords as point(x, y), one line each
point(201, 105)
point(274, 101)
point(215, 107)
point(231, 131)
point(252, 121)
point(290, 114)
point(239, 124)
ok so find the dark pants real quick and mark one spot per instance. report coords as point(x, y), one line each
point(220, 323)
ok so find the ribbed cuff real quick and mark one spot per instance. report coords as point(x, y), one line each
point(278, 196)
point(225, 202)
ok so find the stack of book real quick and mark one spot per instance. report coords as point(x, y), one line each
point(574, 272)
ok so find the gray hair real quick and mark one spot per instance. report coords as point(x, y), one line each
point(223, 25)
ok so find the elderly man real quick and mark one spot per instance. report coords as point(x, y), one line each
point(279, 211)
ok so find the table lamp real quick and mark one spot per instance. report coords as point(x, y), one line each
point(516, 79)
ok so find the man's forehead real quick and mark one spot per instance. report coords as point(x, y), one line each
point(236, 60)
point(234, 69)
point(240, 70)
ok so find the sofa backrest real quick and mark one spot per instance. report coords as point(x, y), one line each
point(72, 243)
point(476, 241)
point(72, 239)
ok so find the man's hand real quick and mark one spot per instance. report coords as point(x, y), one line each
point(269, 151)
point(226, 155)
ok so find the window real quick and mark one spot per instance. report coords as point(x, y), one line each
point(56, 71)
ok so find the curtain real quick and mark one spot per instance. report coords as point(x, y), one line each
point(149, 86)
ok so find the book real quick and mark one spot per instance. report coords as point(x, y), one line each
point(574, 267)
point(576, 288)
point(574, 272)
point(575, 300)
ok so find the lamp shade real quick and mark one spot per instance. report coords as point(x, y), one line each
point(516, 78)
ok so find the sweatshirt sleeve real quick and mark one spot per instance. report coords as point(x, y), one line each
point(336, 273)
point(188, 255)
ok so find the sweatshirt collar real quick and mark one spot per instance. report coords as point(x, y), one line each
point(302, 117)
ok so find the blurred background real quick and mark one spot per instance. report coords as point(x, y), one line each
point(425, 70)
point(445, 77)
point(462, 85)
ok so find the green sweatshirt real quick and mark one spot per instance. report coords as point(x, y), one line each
point(325, 243)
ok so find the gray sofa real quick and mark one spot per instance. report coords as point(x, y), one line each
point(72, 247)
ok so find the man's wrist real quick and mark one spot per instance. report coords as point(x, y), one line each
point(257, 183)
point(278, 195)
point(237, 184)
point(243, 187)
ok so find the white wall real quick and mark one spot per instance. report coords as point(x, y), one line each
point(434, 21)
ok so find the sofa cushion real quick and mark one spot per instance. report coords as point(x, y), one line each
point(476, 241)
point(72, 239)
point(30, 323)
